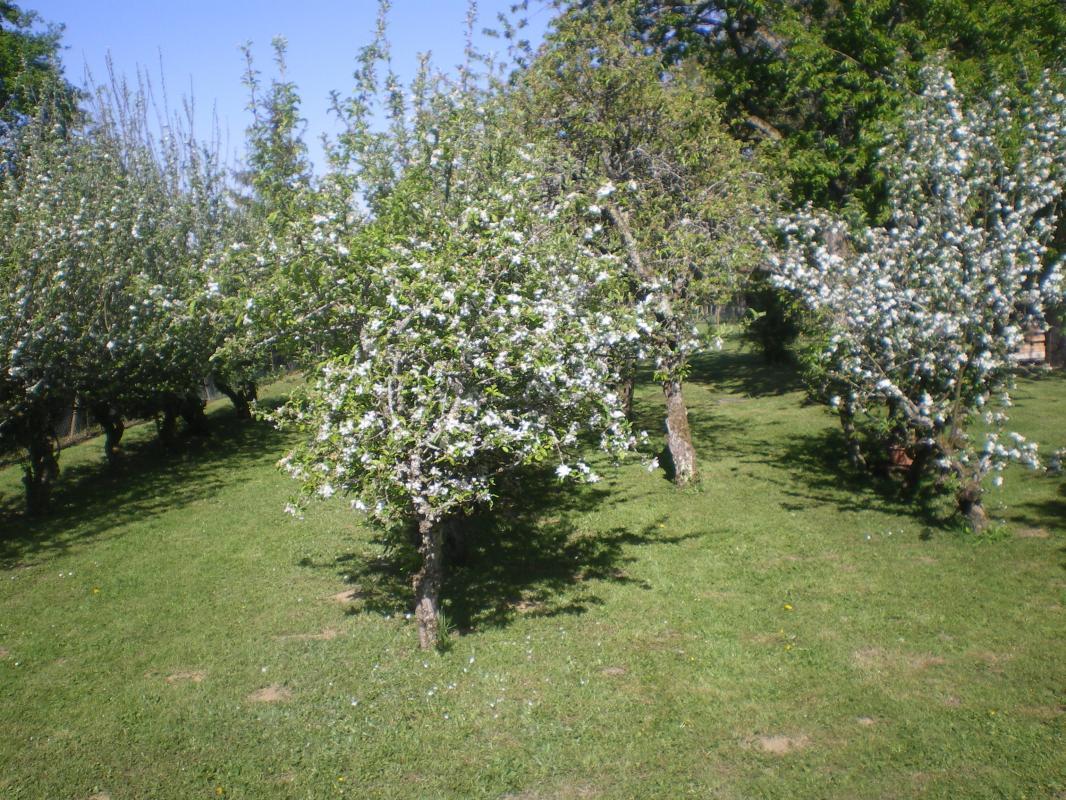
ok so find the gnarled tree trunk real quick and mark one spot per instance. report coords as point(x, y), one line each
point(40, 471)
point(242, 396)
point(922, 456)
point(851, 437)
point(167, 424)
point(427, 583)
point(678, 434)
point(968, 499)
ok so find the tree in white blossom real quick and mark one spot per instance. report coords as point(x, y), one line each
point(923, 316)
point(249, 294)
point(479, 347)
point(664, 188)
point(167, 217)
point(105, 237)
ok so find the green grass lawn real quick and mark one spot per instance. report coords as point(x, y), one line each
point(784, 630)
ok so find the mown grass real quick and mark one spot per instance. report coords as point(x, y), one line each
point(786, 629)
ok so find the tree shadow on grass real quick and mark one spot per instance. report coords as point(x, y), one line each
point(819, 472)
point(744, 373)
point(1049, 513)
point(1041, 374)
point(531, 555)
point(734, 372)
point(92, 500)
point(714, 433)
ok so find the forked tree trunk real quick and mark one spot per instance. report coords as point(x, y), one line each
point(242, 395)
point(969, 502)
point(40, 472)
point(427, 583)
point(679, 435)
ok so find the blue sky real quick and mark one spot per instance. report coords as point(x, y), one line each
point(199, 42)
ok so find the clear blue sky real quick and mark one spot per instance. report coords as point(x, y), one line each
point(200, 39)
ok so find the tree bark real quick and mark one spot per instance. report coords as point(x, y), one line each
point(242, 395)
point(678, 434)
point(625, 394)
point(111, 421)
point(627, 373)
point(851, 438)
point(969, 502)
point(427, 583)
point(917, 469)
point(41, 470)
point(192, 411)
point(167, 426)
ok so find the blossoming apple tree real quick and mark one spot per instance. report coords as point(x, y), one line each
point(479, 344)
point(664, 188)
point(100, 264)
point(923, 315)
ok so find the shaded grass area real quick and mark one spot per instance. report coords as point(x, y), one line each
point(785, 629)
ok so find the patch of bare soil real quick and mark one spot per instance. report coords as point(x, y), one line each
point(951, 701)
point(275, 693)
point(870, 657)
point(193, 676)
point(994, 661)
point(876, 658)
point(100, 796)
point(4, 652)
point(764, 638)
point(1033, 533)
point(866, 722)
point(1043, 713)
point(613, 672)
point(528, 606)
point(563, 791)
point(780, 745)
point(328, 635)
point(347, 596)
point(925, 661)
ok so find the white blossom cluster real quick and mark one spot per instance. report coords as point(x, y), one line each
point(923, 315)
point(480, 335)
point(485, 352)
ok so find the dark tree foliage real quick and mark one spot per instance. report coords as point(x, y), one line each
point(816, 84)
point(30, 71)
point(823, 79)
